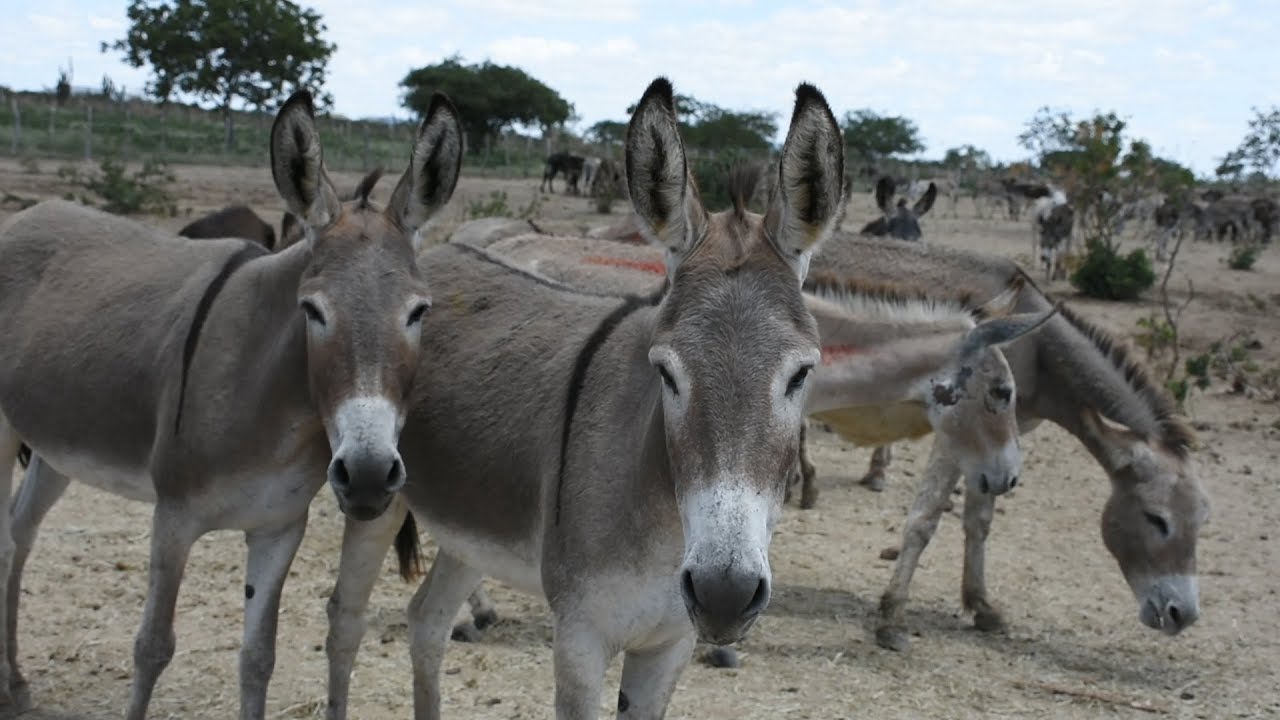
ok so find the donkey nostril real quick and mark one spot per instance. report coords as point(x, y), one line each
point(759, 599)
point(686, 585)
point(395, 476)
point(983, 485)
point(338, 475)
point(1175, 615)
point(1013, 482)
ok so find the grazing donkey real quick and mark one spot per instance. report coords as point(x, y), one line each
point(626, 458)
point(235, 221)
point(1078, 376)
point(899, 221)
point(214, 379)
point(562, 164)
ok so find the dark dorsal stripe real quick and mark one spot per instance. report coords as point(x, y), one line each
point(578, 381)
point(246, 253)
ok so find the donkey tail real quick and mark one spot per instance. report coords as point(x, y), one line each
point(409, 549)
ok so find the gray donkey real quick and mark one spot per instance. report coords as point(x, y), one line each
point(899, 221)
point(626, 457)
point(216, 380)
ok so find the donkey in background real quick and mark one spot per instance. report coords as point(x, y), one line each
point(899, 220)
point(216, 380)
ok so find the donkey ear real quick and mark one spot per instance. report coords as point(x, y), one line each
point(297, 163)
point(1001, 331)
point(664, 199)
point(809, 198)
point(434, 165)
point(923, 205)
point(884, 194)
point(1120, 444)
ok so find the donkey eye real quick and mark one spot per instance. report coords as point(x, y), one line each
point(797, 381)
point(1002, 393)
point(1160, 524)
point(416, 315)
point(312, 312)
point(667, 380)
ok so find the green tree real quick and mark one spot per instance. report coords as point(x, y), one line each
point(967, 157)
point(870, 136)
point(1260, 149)
point(220, 51)
point(612, 133)
point(489, 97)
point(708, 126)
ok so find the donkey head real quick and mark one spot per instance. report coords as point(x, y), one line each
point(900, 221)
point(361, 296)
point(1151, 521)
point(733, 346)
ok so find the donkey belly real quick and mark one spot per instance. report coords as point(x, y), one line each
point(517, 564)
point(879, 425)
point(104, 473)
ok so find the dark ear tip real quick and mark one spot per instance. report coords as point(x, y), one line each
point(300, 98)
point(660, 90)
point(807, 94)
point(441, 101)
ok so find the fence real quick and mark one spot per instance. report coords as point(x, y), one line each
point(91, 127)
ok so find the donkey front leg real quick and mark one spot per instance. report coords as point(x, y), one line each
point(939, 477)
point(270, 555)
point(171, 538)
point(880, 459)
point(40, 489)
point(582, 655)
point(431, 614)
point(649, 679)
point(364, 545)
point(9, 445)
point(978, 511)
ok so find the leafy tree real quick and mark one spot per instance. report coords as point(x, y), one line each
point(871, 136)
point(1260, 149)
point(967, 157)
point(608, 132)
point(489, 97)
point(708, 126)
point(220, 51)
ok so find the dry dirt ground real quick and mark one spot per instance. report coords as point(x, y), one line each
point(1073, 648)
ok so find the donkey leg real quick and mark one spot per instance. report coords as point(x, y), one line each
point(939, 477)
point(978, 511)
point(39, 490)
point(582, 656)
point(431, 614)
point(880, 459)
point(364, 545)
point(171, 539)
point(9, 444)
point(270, 555)
point(808, 473)
point(649, 679)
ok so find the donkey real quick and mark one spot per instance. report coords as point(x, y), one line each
point(1052, 221)
point(235, 221)
point(562, 164)
point(899, 221)
point(1079, 377)
point(214, 379)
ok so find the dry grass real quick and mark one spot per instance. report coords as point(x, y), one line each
point(1074, 648)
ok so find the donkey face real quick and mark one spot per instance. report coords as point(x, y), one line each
point(733, 347)
point(1150, 524)
point(361, 296)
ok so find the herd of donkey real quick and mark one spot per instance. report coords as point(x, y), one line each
point(611, 426)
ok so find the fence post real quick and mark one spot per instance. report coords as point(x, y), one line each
point(164, 132)
point(16, 139)
point(53, 114)
point(88, 131)
point(365, 140)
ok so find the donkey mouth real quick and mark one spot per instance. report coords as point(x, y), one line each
point(715, 634)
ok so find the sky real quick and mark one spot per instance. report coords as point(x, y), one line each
point(1184, 74)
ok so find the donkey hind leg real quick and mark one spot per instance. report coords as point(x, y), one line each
point(172, 536)
point(270, 555)
point(364, 545)
point(9, 444)
point(431, 614)
point(880, 459)
point(649, 679)
point(978, 510)
point(483, 615)
point(922, 520)
point(40, 489)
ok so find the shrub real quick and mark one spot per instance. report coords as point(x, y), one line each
point(144, 191)
point(604, 201)
point(1243, 257)
point(1107, 275)
point(495, 205)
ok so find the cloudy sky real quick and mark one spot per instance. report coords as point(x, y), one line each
point(1184, 73)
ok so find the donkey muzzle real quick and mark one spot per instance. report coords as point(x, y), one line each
point(1170, 604)
point(366, 470)
point(723, 603)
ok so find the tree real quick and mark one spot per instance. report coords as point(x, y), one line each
point(489, 97)
point(220, 51)
point(967, 157)
point(612, 133)
point(1260, 149)
point(870, 136)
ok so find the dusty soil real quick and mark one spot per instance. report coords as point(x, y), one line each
point(1073, 648)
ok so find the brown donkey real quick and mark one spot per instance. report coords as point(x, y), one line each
point(214, 379)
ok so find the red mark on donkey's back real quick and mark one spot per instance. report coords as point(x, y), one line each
point(835, 353)
point(649, 266)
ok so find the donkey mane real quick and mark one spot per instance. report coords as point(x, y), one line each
point(895, 299)
point(1173, 434)
point(741, 182)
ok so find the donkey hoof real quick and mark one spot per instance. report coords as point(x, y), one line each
point(873, 482)
point(809, 499)
point(721, 656)
point(988, 620)
point(892, 637)
point(485, 619)
point(465, 632)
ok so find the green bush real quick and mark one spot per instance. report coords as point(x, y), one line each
point(1107, 275)
point(1243, 257)
point(146, 190)
point(495, 205)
